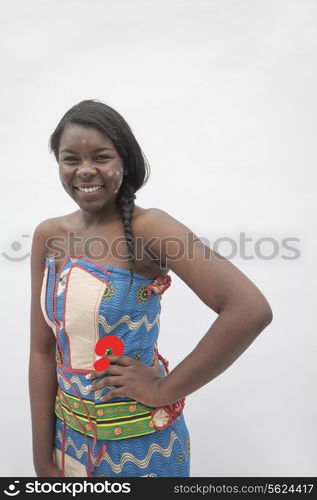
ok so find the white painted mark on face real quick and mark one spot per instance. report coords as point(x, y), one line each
point(110, 173)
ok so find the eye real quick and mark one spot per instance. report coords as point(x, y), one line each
point(69, 158)
point(104, 156)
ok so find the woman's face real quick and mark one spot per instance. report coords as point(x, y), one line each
point(88, 158)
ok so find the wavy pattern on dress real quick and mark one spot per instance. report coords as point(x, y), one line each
point(126, 457)
point(133, 325)
point(79, 452)
point(142, 463)
point(83, 390)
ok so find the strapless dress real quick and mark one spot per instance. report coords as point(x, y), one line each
point(86, 302)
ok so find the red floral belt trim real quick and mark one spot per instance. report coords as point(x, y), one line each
point(164, 415)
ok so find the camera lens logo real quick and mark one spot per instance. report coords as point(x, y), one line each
point(12, 492)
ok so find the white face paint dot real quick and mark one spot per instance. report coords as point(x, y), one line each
point(117, 172)
point(110, 173)
point(116, 190)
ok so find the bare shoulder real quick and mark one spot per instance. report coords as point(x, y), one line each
point(157, 222)
point(43, 232)
point(44, 229)
point(148, 216)
point(162, 229)
point(154, 228)
point(53, 225)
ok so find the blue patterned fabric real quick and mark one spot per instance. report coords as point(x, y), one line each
point(86, 302)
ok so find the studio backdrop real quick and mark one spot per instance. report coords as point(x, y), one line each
point(221, 96)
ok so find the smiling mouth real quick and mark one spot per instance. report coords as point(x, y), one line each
point(89, 189)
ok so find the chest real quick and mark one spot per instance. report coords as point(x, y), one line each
point(108, 247)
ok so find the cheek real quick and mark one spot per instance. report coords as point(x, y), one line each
point(115, 176)
point(63, 175)
point(115, 173)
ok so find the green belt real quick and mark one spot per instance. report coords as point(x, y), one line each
point(110, 420)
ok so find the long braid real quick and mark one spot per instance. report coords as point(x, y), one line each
point(125, 202)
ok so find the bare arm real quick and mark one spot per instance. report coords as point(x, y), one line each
point(243, 311)
point(42, 364)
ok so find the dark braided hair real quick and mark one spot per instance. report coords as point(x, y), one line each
point(94, 113)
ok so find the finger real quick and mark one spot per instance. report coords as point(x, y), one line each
point(94, 374)
point(156, 365)
point(121, 360)
point(116, 370)
point(156, 362)
point(106, 382)
point(115, 393)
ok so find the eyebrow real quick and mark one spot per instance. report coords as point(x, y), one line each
point(94, 151)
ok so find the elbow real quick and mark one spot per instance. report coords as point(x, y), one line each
point(257, 311)
point(268, 316)
point(264, 315)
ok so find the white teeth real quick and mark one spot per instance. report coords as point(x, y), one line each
point(89, 190)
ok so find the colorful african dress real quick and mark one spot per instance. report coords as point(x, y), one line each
point(83, 304)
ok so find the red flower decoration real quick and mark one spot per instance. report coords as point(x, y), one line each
point(160, 284)
point(109, 345)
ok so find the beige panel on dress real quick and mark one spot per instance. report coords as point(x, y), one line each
point(82, 302)
point(73, 468)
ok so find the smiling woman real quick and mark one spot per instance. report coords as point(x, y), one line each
point(127, 418)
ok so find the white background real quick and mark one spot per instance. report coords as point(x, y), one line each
point(221, 96)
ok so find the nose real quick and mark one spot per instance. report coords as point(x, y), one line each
point(86, 171)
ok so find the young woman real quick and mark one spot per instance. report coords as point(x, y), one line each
point(103, 402)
